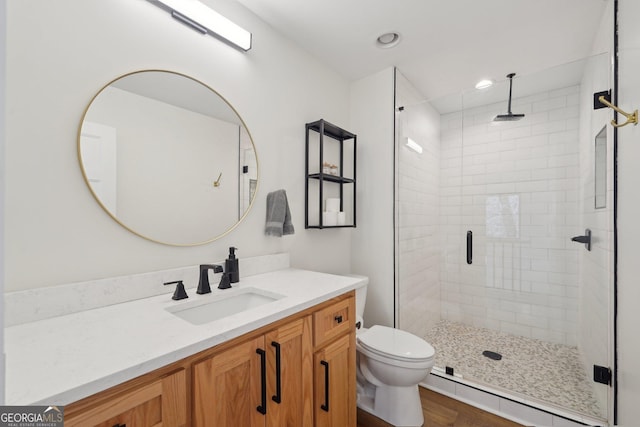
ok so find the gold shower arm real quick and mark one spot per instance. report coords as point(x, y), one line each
point(631, 118)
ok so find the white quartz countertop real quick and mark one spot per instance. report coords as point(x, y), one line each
point(60, 360)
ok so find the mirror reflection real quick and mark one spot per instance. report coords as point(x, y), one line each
point(168, 158)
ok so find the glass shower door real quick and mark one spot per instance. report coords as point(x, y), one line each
point(527, 189)
point(486, 269)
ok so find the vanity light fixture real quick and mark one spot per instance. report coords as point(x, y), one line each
point(207, 21)
point(414, 145)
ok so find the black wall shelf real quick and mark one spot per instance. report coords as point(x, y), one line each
point(332, 178)
point(346, 141)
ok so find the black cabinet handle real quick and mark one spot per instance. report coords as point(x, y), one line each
point(278, 396)
point(263, 380)
point(469, 247)
point(122, 425)
point(338, 319)
point(325, 407)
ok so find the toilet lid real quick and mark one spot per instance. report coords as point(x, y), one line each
point(396, 343)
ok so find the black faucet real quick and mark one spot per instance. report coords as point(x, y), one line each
point(179, 293)
point(225, 281)
point(203, 283)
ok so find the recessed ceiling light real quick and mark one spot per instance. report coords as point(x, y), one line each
point(483, 84)
point(387, 40)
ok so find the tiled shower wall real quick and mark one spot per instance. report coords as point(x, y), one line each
point(515, 185)
point(417, 212)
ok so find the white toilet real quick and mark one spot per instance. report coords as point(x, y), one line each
point(391, 363)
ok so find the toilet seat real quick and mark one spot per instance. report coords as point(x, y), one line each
point(395, 344)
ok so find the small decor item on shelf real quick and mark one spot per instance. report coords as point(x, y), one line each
point(328, 168)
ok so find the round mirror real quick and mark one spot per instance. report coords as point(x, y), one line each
point(168, 158)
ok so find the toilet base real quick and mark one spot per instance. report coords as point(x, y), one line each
point(399, 406)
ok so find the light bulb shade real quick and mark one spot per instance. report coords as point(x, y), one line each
point(207, 21)
point(413, 145)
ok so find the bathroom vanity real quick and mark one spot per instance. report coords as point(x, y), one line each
point(290, 361)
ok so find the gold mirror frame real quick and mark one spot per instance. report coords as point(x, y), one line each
point(254, 185)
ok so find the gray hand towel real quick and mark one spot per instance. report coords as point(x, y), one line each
point(278, 215)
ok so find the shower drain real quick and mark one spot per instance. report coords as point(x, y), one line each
point(492, 355)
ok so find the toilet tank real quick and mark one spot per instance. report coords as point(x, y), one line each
point(361, 294)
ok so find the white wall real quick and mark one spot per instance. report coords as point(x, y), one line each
point(3, 21)
point(417, 211)
point(372, 120)
point(628, 214)
point(55, 232)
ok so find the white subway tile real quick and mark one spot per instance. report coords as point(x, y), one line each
point(562, 161)
point(549, 127)
point(532, 321)
point(532, 186)
point(569, 90)
point(515, 329)
point(550, 104)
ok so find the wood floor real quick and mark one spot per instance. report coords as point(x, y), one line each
point(442, 411)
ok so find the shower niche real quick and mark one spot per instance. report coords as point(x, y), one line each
point(600, 169)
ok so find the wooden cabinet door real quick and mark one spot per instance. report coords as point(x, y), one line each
point(290, 379)
point(160, 403)
point(227, 387)
point(335, 384)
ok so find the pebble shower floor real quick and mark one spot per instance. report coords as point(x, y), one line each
point(546, 371)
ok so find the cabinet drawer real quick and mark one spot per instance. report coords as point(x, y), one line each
point(335, 320)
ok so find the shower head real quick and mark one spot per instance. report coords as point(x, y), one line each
point(509, 117)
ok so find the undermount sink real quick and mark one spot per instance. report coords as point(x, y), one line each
point(215, 307)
